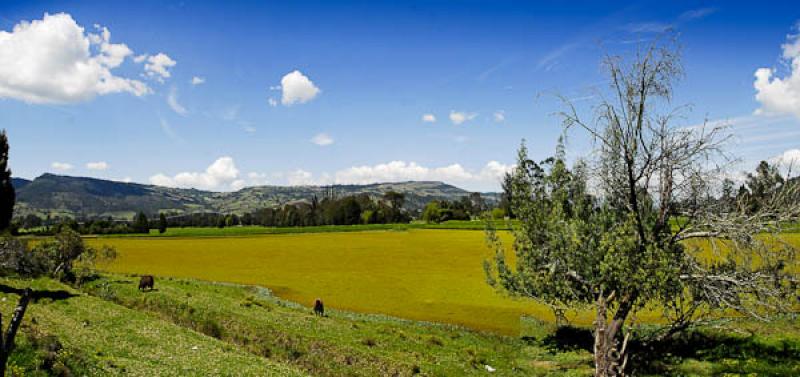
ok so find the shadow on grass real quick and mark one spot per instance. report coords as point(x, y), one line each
point(725, 352)
point(37, 295)
point(719, 352)
point(569, 338)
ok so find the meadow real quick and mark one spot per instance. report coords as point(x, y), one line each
point(263, 326)
point(420, 274)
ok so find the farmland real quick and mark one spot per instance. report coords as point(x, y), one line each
point(420, 274)
point(429, 275)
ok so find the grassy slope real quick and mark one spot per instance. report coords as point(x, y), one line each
point(342, 343)
point(118, 330)
point(101, 338)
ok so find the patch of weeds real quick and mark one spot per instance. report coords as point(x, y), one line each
point(369, 342)
point(435, 341)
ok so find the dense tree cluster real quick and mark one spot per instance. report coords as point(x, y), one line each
point(348, 210)
point(466, 208)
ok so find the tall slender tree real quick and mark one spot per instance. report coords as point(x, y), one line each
point(7, 195)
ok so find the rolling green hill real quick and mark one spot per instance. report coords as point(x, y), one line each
point(52, 194)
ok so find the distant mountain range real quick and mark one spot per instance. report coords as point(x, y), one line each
point(59, 195)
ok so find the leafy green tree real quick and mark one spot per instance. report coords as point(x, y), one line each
point(7, 195)
point(761, 186)
point(140, 223)
point(617, 250)
point(162, 223)
point(432, 212)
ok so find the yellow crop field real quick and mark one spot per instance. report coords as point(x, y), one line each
point(429, 275)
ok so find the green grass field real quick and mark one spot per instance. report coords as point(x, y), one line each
point(195, 328)
point(260, 230)
point(421, 274)
point(429, 275)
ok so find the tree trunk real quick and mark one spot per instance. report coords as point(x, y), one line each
point(609, 359)
point(7, 341)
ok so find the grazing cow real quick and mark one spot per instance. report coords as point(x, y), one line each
point(146, 282)
point(319, 308)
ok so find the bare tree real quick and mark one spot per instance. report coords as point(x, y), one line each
point(637, 240)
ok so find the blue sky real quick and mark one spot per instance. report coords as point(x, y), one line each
point(195, 98)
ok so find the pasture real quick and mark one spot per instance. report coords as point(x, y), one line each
point(419, 274)
point(427, 275)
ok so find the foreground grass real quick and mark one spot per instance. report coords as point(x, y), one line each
point(341, 343)
point(66, 332)
point(190, 327)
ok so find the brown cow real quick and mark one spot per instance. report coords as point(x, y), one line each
point(319, 308)
point(147, 282)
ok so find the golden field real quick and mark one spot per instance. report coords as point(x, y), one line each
point(428, 275)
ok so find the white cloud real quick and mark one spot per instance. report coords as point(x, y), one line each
point(63, 166)
point(172, 101)
point(53, 60)
point(219, 175)
point(781, 95)
point(272, 102)
point(486, 178)
point(249, 129)
point(322, 139)
point(127, 180)
point(238, 184)
point(297, 89)
point(196, 80)
point(157, 66)
point(428, 118)
point(299, 177)
point(458, 117)
point(499, 116)
point(788, 160)
point(99, 165)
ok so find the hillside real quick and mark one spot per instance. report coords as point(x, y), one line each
point(51, 194)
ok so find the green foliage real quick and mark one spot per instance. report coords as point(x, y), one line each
point(432, 213)
point(162, 223)
point(63, 257)
point(140, 223)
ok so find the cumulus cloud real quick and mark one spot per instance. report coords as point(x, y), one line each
point(396, 171)
point(272, 102)
point(157, 66)
point(219, 175)
point(458, 117)
point(196, 80)
point(322, 139)
point(499, 116)
point(172, 101)
point(53, 60)
point(63, 166)
point(428, 118)
point(99, 165)
point(781, 95)
point(297, 89)
point(238, 184)
point(789, 159)
point(299, 177)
